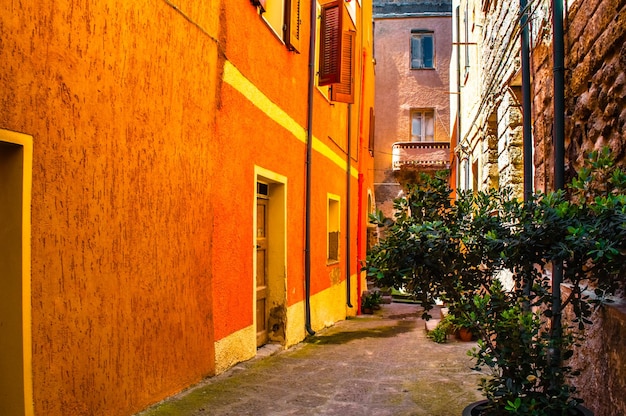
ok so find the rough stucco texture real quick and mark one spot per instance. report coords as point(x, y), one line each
point(400, 88)
point(121, 213)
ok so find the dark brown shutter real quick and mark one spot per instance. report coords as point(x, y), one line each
point(293, 32)
point(330, 43)
point(344, 90)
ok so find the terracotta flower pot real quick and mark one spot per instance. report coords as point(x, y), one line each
point(464, 334)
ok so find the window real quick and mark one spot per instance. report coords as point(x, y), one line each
point(336, 53)
point(333, 228)
point(422, 49)
point(330, 43)
point(283, 16)
point(422, 125)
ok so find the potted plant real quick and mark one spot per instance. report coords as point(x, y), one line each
point(452, 325)
point(440, 332)
point(370, 301)
point(499, 263)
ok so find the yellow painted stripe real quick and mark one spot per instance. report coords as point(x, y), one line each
point(234, 78)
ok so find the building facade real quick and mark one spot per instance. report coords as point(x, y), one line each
point(178, 188)
point(488, 127)
point(487, 101)
point(413, 43)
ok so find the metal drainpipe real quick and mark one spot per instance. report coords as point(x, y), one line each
point(558, 55)
point(359, 221)
point(526, 120)
point(458, 96)
point(526, 103)
point(348, 207)
point(309, 148)
point(359, 243)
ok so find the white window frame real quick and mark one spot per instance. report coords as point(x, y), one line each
point(423, 115)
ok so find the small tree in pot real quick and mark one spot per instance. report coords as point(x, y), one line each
point(458, 252)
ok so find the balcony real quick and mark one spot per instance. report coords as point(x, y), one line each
point(420, 155)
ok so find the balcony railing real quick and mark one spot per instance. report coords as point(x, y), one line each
point(421, 155)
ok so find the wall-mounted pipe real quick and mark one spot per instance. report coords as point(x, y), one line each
point(309, 151)
point(558, 56)
point(348, 205)
point(526, 103)
point(359, 221)
point(458, 97)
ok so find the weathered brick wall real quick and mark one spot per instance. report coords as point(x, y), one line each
point(595, 116)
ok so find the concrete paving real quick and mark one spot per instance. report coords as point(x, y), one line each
point(381, 364)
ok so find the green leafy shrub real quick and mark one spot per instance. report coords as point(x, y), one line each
point(436, 249)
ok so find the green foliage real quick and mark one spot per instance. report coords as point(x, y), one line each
point(436, 249)
point(371, 300)
point(439, 334)
point(449, 324)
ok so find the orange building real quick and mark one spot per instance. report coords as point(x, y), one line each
point(181, 182)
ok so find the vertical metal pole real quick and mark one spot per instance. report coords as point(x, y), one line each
point(559, 95)
point(526, 103)
point(558, 54)
point(348, 207)
point(459, 160)
point(526, 122)
point(309, 151)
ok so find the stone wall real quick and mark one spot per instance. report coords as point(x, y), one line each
point(595, 80)
point(490, 108)
point(601, 359)
point(595, 35)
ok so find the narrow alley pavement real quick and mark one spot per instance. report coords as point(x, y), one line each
point(381, 364)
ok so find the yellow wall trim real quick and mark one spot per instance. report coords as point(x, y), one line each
point(234, 78)
point(235, 348)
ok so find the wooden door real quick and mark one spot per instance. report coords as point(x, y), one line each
point(261, 272)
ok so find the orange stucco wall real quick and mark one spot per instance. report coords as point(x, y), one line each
point(143, 192)
point(253, 138)
point(121, 207)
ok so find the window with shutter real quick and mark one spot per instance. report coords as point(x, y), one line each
point(283, 17)
point(344, 90)
point(292, 29)
point(422, 50)
point(330, 43)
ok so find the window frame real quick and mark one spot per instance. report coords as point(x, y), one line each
point(417, 38)
point(284, 19)
point(333, 228)
point(423, 112)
